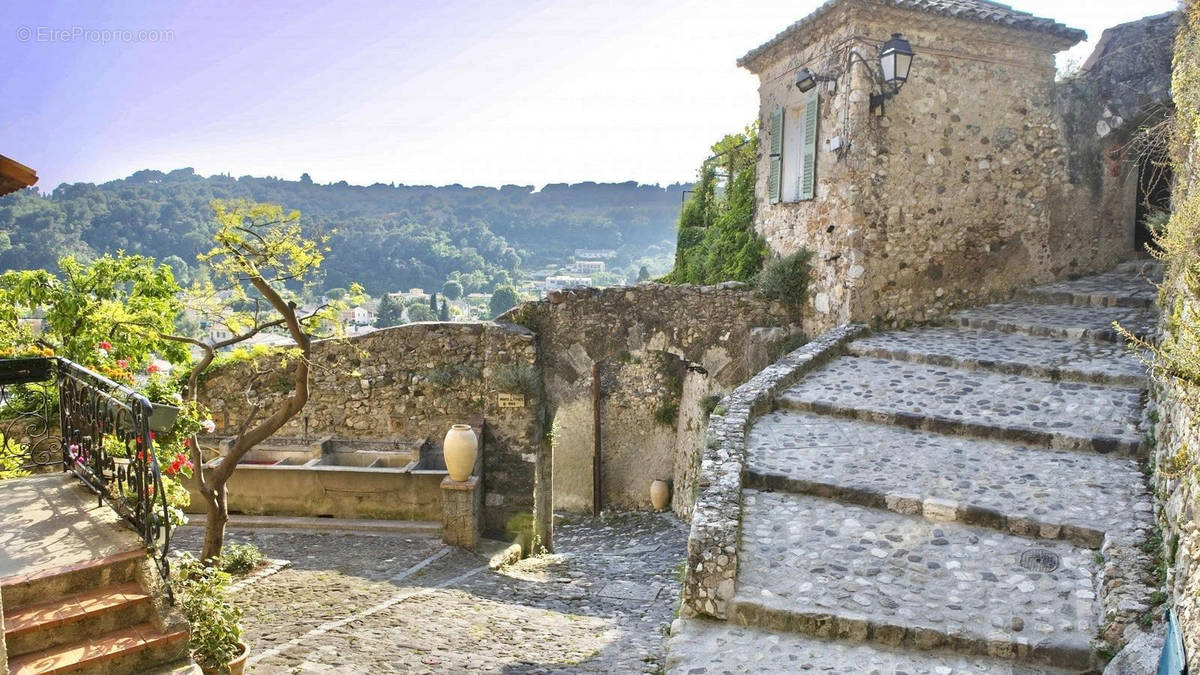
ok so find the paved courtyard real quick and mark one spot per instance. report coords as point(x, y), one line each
point(354, 602)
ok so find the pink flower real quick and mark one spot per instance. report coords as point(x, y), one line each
point(123, 363)
point(105, 345)
point(152, 368)
point(209, 426)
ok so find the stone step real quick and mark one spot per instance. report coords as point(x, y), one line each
point(1010, 353)
point(75, 617)
point(1050, 494)
point(1127, 286)
point(698, 646)
point(49, 583)
point(812, 566)
point(133, 649)
point(1060, 415)
point(1064, 321)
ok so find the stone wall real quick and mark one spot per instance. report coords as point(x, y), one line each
point(716, 336)
point(1175, 404)
point(655, 345)
point(963, 188)
point(412, 382)
point(712, 561)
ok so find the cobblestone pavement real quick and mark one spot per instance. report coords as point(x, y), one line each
point(1062, 414)
point(963, 582)
point(353, 602)
point(1070, 495)
point(1010, 353)
point(945, 499)
point(1071, 321)
point(736, 649)
point(1131, 284)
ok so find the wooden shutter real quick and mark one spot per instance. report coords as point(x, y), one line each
point(776, 156)
point(808, 164)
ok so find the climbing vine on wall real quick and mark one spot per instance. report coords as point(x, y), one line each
point(717, 241)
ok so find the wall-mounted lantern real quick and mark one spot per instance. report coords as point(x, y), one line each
point(895, 61)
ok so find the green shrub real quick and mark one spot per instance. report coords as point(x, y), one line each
point(787, 278)
point(216, 629)
point(667, 413)
point(241, 558)
point(518, 379)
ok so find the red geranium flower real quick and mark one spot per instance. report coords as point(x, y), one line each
point(105, 345)
point(152, 368)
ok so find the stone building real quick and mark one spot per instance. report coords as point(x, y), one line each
point(961, 186)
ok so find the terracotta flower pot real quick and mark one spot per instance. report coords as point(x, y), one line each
point(236, 666)
point(660, 494)
point(460, 449)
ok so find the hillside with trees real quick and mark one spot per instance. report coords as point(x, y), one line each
point(387, 237)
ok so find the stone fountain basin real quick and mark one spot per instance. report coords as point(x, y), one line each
point(335, 478)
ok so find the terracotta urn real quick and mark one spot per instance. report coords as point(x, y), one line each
point(460, 450)
point(660, 494)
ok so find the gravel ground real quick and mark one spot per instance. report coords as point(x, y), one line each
point(372, 603)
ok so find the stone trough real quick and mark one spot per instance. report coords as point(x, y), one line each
point(334, 478)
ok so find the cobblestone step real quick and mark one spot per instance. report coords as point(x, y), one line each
point(1130, 285)
point(1064, 321)
point(698, 646)
point(1009, 353)
point(808, 565)
point(1059, 415)
point(1049, 494)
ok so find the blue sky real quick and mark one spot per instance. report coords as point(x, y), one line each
point(478, 93)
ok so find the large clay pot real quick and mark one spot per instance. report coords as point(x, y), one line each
point(660, 494)
point(460, 450)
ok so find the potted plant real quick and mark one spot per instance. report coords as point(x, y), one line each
point(164, 396)
point(25, 363)
point(216, 636)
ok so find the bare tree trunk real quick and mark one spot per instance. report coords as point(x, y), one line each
point(214, 522)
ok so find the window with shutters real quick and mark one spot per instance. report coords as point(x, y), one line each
point(793, 156)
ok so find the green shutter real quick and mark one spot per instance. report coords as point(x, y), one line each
point(808, 169)
point(776, 157)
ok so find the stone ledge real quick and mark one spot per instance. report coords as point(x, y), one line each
point(716, 521)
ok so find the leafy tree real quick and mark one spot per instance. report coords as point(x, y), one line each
point(433, 303)
point(390, 313)
point(260, 254)
point(420, 312)
point(124, 301)
point(452, 290)
point(503, 299)
point(444, 312)
point(336, 293)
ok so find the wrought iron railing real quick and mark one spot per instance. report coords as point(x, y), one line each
point(56, 413)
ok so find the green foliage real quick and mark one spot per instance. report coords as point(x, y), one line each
point(387, 237)
point(216, 629)
point(452, 290)
point(503, 299)
point(667, 413)
point(517, 379)
point(787, 278)
point(241, 558)
point(420, 312)
point(709, 403)
point(716, 240)
point(125, 301)
point(391, 313)
point(444, 312)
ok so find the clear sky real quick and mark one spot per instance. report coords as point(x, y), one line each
point(429, 92)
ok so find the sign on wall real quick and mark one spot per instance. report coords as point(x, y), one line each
point(512, 401)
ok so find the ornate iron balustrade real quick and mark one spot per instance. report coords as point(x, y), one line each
point(54, 412)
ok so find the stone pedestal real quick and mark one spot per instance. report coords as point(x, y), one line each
point(462, 504)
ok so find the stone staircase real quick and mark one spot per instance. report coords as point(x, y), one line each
point(103, 610)
point(957, 498)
